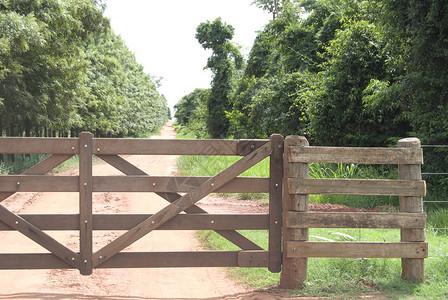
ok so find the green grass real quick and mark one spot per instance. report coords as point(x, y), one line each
point(195, 165)
point(345, 277)
point(20, 163)
point(183, 132)
point(354, 171)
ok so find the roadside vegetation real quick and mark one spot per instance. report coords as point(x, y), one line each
point(63, 70)
point(341, 73)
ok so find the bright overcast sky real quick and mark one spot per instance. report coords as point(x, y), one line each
point(162, 36)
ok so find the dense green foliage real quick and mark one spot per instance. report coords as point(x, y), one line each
point(343, 72)
point(63, 70)
point(191, 112)
point(349, 73)
point(223, 62)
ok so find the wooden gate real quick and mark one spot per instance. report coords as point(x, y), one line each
point(182, 193)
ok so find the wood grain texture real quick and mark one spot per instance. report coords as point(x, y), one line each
point(354, 220)
point(380, 187)
point(294, 269)
point(21, 145)
point(346, 155)
point(175, 184)
point(275, 203)
point(412, 269)
point(85, 203)
point(38, 183)
point(217, 222)
point(356, 250)
point(165, 147)
point(143, 260)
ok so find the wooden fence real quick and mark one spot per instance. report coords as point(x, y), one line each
point(137, 226)
point(289, 161)
point(297, 219)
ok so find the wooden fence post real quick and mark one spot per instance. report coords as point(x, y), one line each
point(413, 269)
point(85, 203)
point(294, 270)
point(275, 203)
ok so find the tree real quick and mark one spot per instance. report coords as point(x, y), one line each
point(225, 59)
point(43, 61)
point(191, 112)
point(272, 6)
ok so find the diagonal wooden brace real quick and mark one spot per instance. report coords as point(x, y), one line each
point(181, 204)
point(129, 169)
point(26, 228)
point(41, 168)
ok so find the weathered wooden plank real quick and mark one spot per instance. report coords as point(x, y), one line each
point(21, 145)
point(38, 183)
point(32, 232)
point(233, 236)
point(27, 261)
point(85, 203)
point(354, 220)
point(172, 184)
point(165, 147)
point(294, 270)
point(32, 261)
point(244, 147)
point(48, 221)
point(356, 250)
point(253, 259)
point(275, 204)
point(47, 164)
point(346, 155)
point(219, 222)
point(41, 168)
point(181, 204)
point(122, 165)
point(380, 187)
point(412, 269)
point(187, 259)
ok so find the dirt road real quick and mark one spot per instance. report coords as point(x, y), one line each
point(178, 283)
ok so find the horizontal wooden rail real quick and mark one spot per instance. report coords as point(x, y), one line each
point(380, 187)
point(354, 220)
point(348, 155)
point(356, 250)
point(20, 145)
point(128, 221)
point(175, 147)
point(175, 184)
point(144, 260)
point(42, 183)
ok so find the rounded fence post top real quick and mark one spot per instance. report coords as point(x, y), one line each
point(296, 140)
point(409, 142)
